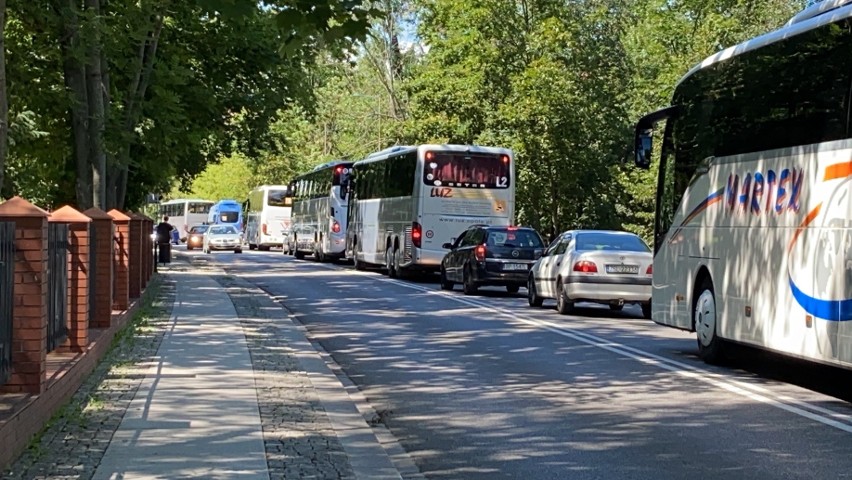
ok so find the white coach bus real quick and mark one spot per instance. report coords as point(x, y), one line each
point(407, 201)
point(753, 229)
point(184, 213)
point(268, 209)
point(319, 212)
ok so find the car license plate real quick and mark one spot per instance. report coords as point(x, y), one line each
point(514, 266)
point(622, 269)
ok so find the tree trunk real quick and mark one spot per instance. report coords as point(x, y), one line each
point(134, 97)
point(75, 82)
point(95, 91)
point(4, 101)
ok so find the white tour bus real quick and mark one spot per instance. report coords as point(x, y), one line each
point(319, 212)
point(407, 201)
point(753, 228)
point(184, 213)
point(267, 213)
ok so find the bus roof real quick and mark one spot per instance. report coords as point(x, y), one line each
point(381, 155)
point(183, 200)
point(331, 164)
point(815, 16)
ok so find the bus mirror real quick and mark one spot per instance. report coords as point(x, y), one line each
point(644, 148)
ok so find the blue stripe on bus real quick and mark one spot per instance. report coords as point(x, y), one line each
point(832, 310)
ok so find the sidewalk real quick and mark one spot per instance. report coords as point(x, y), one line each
point(235, 390)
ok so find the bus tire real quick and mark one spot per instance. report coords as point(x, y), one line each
point(705, 320)
point(389, 263)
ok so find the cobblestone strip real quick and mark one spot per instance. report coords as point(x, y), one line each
point(299, 438)
point(73, 443)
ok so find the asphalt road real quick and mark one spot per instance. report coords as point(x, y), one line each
point(486, 387)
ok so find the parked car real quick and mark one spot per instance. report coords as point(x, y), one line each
point(602, 266)
point(222, 237)
point(195, 237)
point(490, 255)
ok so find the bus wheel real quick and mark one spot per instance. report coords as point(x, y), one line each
point(389, 263)
point(705, 319)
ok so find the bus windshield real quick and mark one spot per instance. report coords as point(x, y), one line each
point(229, 217)
point(459, 169)
point(199, 207)
point(279, 198)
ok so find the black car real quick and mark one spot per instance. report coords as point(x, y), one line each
point(490, 255)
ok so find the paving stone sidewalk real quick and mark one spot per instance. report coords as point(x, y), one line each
point(299, 438)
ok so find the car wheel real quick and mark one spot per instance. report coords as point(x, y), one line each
point(705, 321)
point(616, 308)
point(469, 286)
point(238, 250)
point(564, 305)
point(513, 288)
point(532, 294)
point(445, 284)
point(299, 255)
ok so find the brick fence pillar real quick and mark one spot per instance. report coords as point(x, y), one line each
point(100, 315)
point(29, 320)
point(79, 270)
point(148, 261)
point(135, 256)
point(121, 280)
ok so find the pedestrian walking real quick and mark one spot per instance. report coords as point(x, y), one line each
point(164, 235)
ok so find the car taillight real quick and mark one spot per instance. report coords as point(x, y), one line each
point(335, 227)
point(479, 253)
point(264, 229)
point(650, 270)
point(416, 234)
point(585, 266)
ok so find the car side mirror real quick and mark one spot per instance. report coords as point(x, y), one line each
point(448, 246)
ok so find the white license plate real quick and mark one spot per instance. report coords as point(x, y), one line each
point(514, 266)
point(622, 269)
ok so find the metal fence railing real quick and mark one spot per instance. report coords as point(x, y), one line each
point(7, 296)
point(57, 284)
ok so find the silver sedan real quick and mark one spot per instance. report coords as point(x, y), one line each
point(222, 237)
point(601, 266)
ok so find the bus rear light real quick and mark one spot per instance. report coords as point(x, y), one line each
point(430, 155)
point(585, 266)
point(650, 270)
point(479, 253)
point(335, 227)
point(416, 234)
point(505, 159)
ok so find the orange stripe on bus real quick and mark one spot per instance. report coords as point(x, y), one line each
point(810, 218)
point(838, 170)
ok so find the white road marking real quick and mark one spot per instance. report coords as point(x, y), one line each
point(754, 392)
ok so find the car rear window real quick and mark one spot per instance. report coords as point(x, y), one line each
point(198, 229)
point(223, 230)
point(611, 242)
point(513, 238)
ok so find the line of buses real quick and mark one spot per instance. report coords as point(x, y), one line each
point(753, 221)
